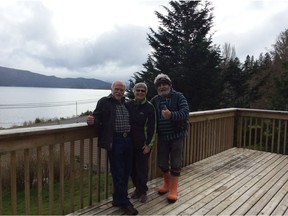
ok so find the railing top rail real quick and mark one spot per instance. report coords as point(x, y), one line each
point(263, 111)
point(216, 111)
point(211, 114)
point(21, 138)
point(39, 129)
point(265, 114)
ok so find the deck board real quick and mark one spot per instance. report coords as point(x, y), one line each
point(234, 182)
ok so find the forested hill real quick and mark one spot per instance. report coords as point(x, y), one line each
point(23, 78)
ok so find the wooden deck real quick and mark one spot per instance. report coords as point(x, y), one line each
point(234, 182)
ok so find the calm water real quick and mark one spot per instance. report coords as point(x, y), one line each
point(24, 104)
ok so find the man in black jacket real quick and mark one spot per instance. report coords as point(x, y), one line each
point(111, 118)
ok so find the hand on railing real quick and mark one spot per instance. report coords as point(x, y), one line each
point(90, 119)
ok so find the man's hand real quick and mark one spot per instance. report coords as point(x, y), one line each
point(90, 119)
point(146, 149)
point(166, 113)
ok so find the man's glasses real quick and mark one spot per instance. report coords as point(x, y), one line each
point(140, 90)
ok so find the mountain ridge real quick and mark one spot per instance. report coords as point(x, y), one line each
point(24, 78)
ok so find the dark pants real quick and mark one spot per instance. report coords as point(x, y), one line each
point(139, 173)
point(169, 155)
point(120, 158)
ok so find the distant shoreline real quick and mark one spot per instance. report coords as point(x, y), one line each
point(32, 79)
point(79, 119)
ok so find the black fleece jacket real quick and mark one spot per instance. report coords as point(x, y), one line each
point(143, 123)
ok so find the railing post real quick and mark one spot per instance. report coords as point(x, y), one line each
point(13, 184)
point(27, 180)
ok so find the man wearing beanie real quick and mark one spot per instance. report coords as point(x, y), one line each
point(172, 113)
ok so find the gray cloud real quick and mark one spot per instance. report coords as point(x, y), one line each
point(33, 38)
point(29, 40)
point(258, 39)
point(124, 45)
point(30, 29)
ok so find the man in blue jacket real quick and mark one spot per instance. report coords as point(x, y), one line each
point(172, 113)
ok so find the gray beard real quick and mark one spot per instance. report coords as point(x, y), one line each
point(164, 93)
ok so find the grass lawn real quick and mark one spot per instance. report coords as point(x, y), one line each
point(6, 198)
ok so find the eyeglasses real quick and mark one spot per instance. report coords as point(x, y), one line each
point(140, 90)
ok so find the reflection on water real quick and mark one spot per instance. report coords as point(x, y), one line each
point(24, 104)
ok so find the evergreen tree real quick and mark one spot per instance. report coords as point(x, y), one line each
point(280, 101)
point(147, 76)
point(260, 85)
point(182, 49)
point(281, 47)
point(280, 66)
point(235, 93)
point(248, 65)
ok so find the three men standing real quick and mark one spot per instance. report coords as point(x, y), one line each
point(112, 118)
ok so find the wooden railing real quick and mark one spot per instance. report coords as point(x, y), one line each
point(59, 169)
point(262, 130)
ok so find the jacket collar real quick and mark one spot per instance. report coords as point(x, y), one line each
point(113, 98)
point(140, 102)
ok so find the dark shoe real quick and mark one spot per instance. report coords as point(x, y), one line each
point(135, 195)
point(129, 210)
point(143, 198)
point(115, 204)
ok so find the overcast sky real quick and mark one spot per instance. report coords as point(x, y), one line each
point(107, 40)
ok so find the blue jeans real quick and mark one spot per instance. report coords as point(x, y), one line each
point(120, 158)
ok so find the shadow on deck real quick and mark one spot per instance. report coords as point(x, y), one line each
point(234, 182)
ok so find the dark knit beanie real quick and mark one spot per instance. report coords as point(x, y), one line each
point(162, 80)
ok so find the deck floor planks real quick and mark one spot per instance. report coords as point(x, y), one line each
point(248, 199)
point(196, 197)
point(279, 199)
point(247, 181)
point(198, 175)
point(236, 181)
point(159, 202)
point(270, 189)
point(282, 206)
point(103, 209)
point(224, 195)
